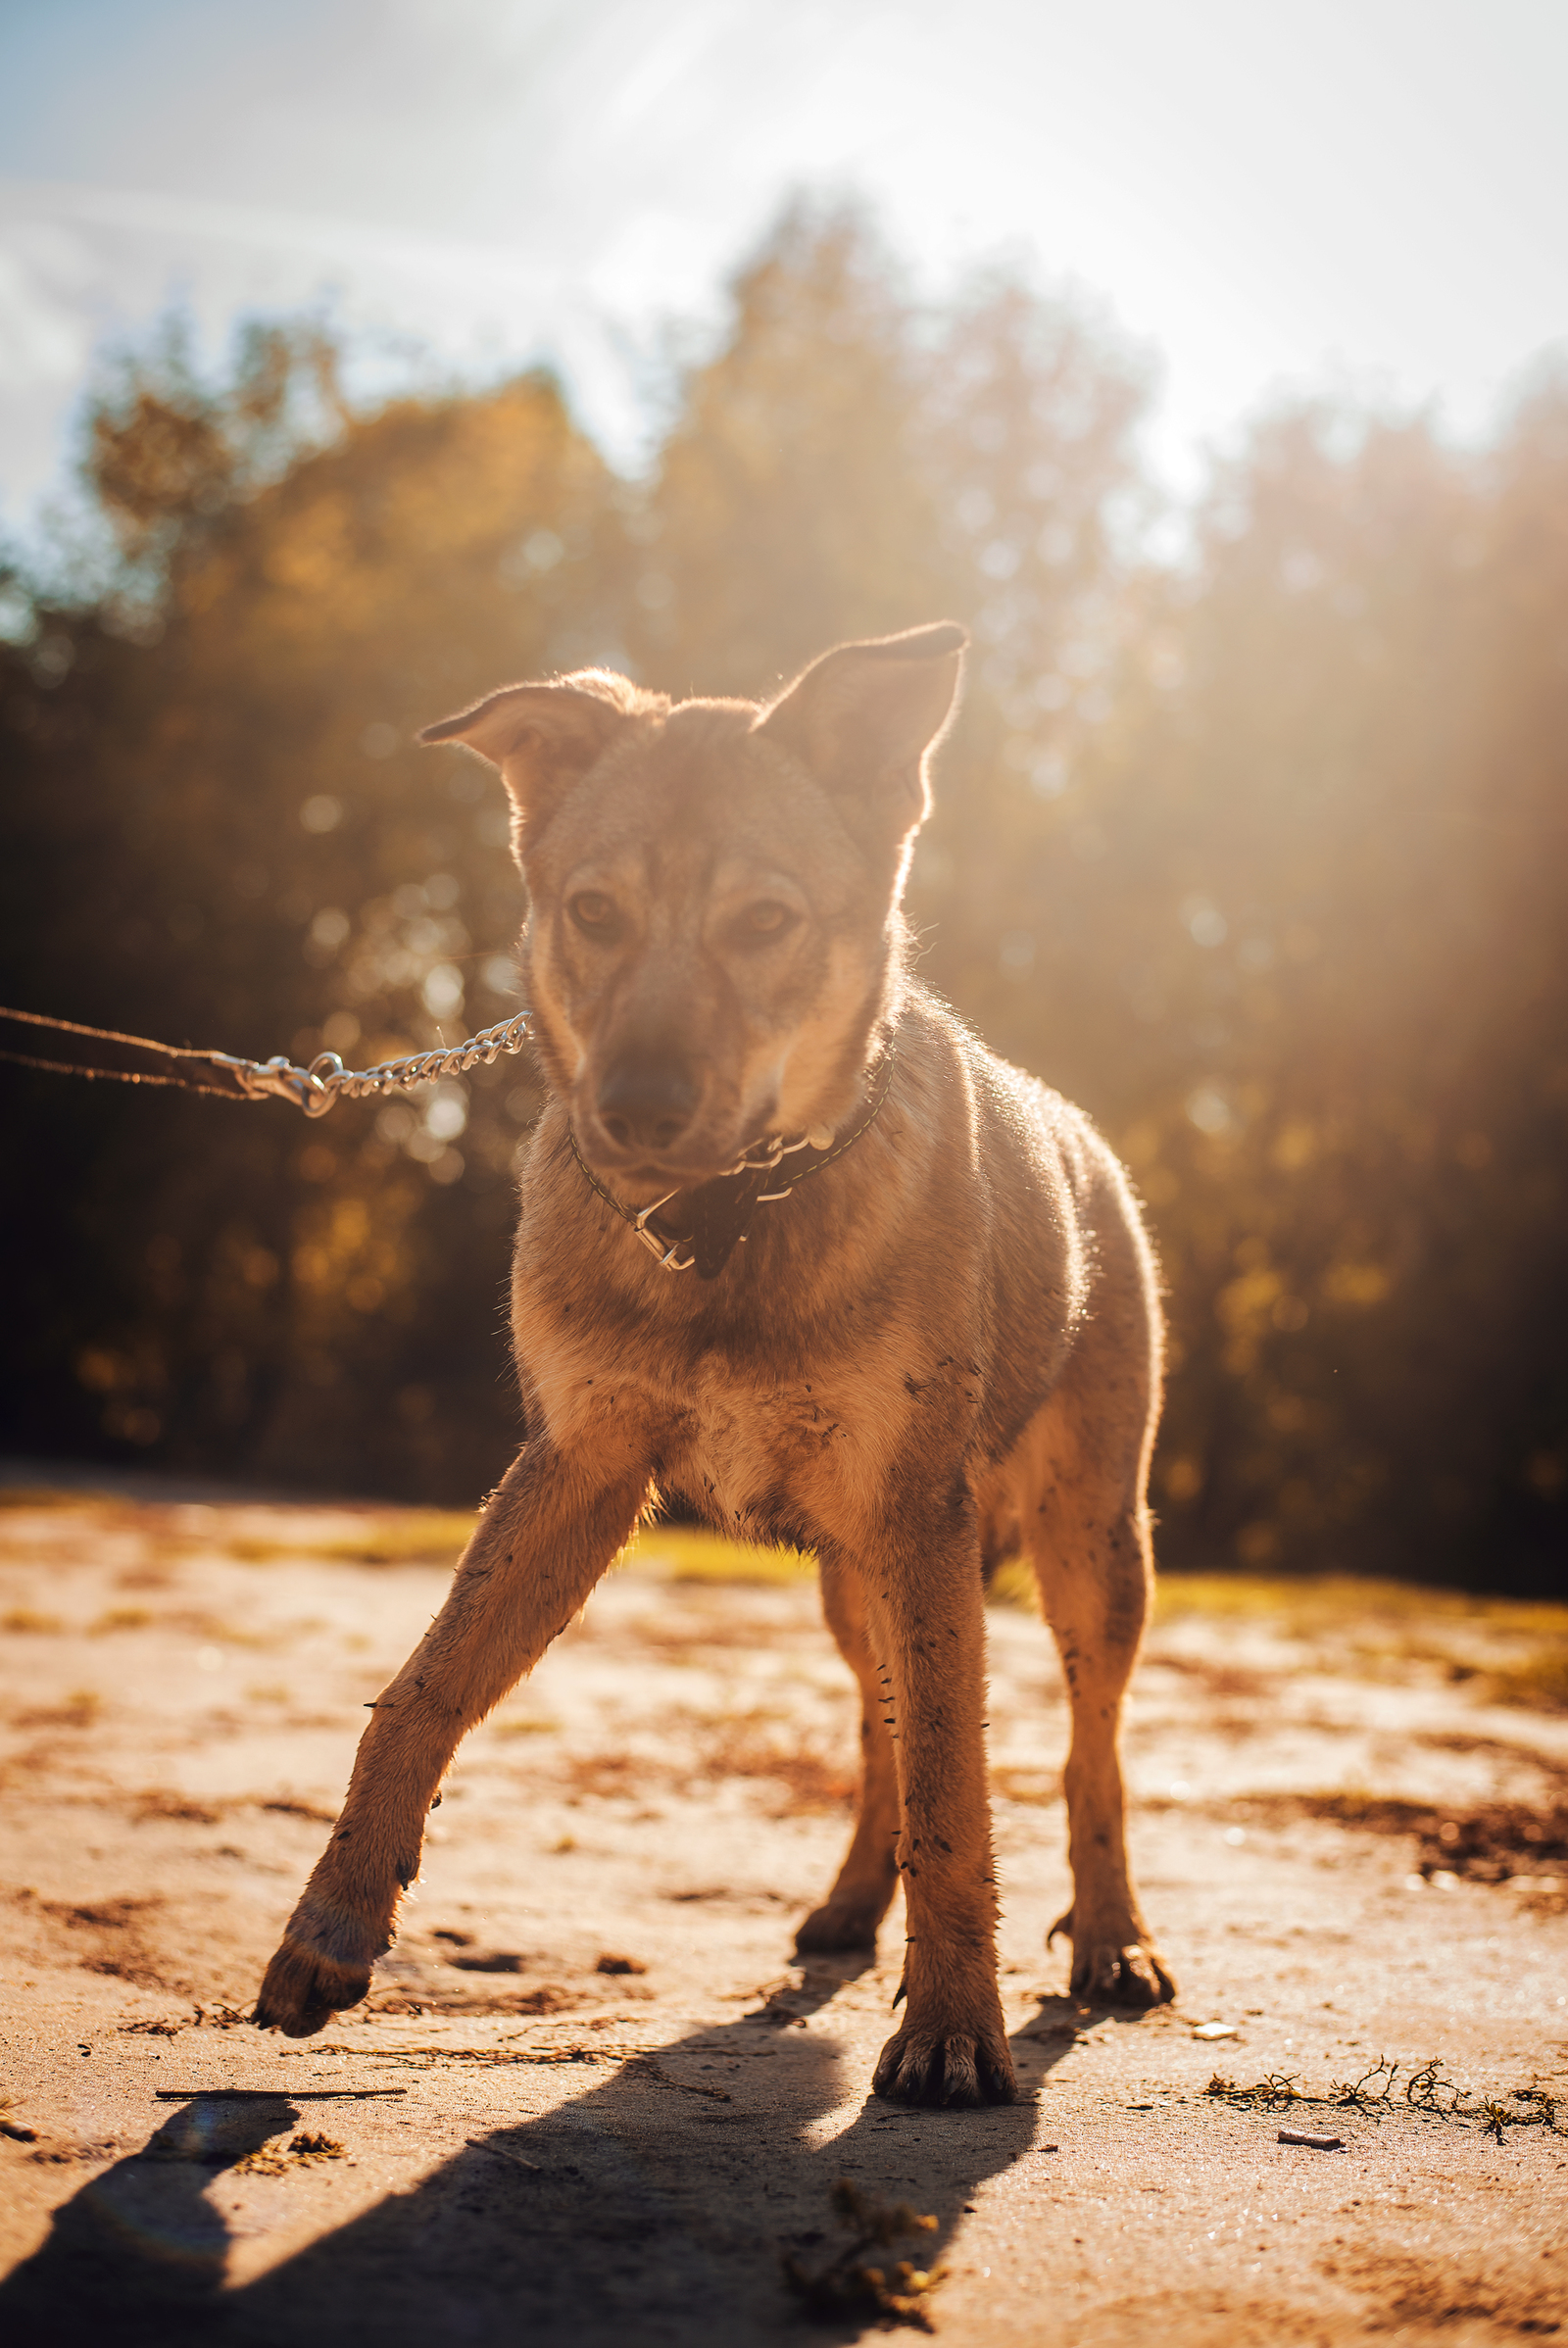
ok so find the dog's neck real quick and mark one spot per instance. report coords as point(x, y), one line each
point(699, 1229)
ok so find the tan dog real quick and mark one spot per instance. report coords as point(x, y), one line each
point(939, 1347)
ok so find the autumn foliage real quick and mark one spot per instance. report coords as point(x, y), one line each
point(1260, 853)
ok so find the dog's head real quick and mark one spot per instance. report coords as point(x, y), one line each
point(714, 931)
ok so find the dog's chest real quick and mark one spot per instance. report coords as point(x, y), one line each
point(755, 1445)
point(745, 1451)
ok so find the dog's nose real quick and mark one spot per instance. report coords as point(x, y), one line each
point(647, 1102)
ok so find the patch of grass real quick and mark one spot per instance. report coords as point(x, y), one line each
point(1490, 1844)
point(120, 1618)
point(1513, 1650)
point(689, 1637)
point(1027, 1785)
point(805, 1776)
point(809, 1780)
point(1539, 1684)
point(156, 1803)
point(1309, 1603)
point(78, 1710)
point(220, 1632)
point(105, 1915)
point(410, 1536)
point(1012, 1584)
point(609, 1777)
point(676, 1554)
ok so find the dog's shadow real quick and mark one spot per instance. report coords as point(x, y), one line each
point(137, 2256)
point(655, 2206)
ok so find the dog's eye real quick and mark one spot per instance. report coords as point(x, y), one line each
point(768, 918)
point(594, 911)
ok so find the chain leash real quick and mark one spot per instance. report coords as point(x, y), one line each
point(315, 1089)
point(71, 1050)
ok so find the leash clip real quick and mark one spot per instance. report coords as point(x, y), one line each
point(278, 1079)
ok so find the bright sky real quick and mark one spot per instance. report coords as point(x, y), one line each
point(1365, 194)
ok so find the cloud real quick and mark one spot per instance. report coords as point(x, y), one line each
point(85, 266)
point(1271, 195)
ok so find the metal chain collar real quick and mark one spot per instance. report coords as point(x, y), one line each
point(325, 1080)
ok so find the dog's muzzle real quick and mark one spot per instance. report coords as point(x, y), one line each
point(645, 1103)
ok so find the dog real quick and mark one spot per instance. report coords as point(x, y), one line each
point(797, 1252)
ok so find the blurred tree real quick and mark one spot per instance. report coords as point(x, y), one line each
point(219, 832)
point(1260, 857)
point(1326, 1015)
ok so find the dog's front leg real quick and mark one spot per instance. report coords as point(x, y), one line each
point(545, 1536)
point(927, 1622)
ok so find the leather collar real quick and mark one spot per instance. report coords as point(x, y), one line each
point(700, 1229)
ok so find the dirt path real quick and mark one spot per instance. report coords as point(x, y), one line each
point(617, 2105)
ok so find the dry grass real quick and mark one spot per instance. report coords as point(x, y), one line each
point(402, 1536)
point(1309, 1603)
point(1515, 1650)
point(1026, 1784)
point(120, 1618)
point(796, 1777)
point(157, 1803)
point(1497, 1842)
point(1427, 2093)
point(809, 1780)
point(678, 1554)
point(1539, 1684)
point(78, 1710)
point(25, 1622)
point(613, 1776)
point(1012, 1584)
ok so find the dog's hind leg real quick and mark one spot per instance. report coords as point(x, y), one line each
point(547, 1533)
point(1094, 1579)
point(1094, 1563)
point(869, 1874)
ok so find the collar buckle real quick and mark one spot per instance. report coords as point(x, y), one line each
point(667, 1252)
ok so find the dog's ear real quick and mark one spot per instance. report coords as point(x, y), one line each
point(543, 737)
point(865, 716)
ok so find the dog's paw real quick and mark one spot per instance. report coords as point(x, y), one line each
point(1116, 1971)
point(301, 1992)
point(956, 2067)
point(840, 1924)
point(1134, 1975)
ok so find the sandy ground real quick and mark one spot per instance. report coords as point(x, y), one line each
point(606, 2105)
